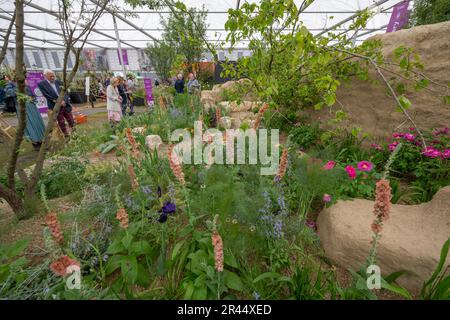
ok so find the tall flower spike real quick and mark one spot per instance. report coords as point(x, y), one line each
point(51, 220)
point(133, 143)
point(122, 216)
point(283, 165)
point(134, 182)
point(382, 204)
point(260, 115)
point(175, 165)
point(218, 250)
point(218, 115)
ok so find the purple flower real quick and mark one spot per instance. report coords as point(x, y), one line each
point(431, 152)
point(169, 208)
point(146, 190)
point(409, 137)
point(393, 145)
point(446, 154)
point(159, 192)
point(326, 198)
point(365, 166)
point(311, 224)
point(162, 218)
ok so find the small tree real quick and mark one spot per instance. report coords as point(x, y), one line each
point(430, 11)
point(76, 27)
point(185, 31)
point(162, 56)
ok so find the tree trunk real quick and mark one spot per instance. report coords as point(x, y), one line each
point(14, 200)
point(20, 78)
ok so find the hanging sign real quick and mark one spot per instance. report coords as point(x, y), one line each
point(148, 91)
point(124, 56)
point(87, 85)
point(33, 79)
point(399, 16)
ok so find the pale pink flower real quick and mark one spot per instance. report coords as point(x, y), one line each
point(326, 198)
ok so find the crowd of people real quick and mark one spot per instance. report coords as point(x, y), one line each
point(116, 90)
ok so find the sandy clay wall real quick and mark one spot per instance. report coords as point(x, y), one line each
point(368, 104)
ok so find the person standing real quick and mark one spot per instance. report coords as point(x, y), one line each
point(179, 84)
point(123, 94)
point(130, 90)
point(10, 95)
point(50, 88)
point(35, 126)
point(193, 85)
point(114, 102)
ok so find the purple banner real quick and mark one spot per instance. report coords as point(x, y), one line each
point(124, 56)
point(148, 90)
point(399, 17)
point(33, 79)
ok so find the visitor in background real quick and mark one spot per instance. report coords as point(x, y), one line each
point(179, 84)
point(35, 127)
point(101, 89)
point(130, 90)
point(193, 85)
point(50, 88)
point(123, 94)
point(114, 101)
point(156, 82)
point(10, 95)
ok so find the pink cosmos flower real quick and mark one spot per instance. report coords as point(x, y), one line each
point(326, 198)
point(393, 145)
point(365, 166)
point(351, 172)
point(376, 146)
point(329, 165)
point(409, 137)
point(446, 154)
point(431, 152)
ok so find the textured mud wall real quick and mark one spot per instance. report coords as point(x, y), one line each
point(368, 104)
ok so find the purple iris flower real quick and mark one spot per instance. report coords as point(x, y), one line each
point(169, 208)
point(159, 192)
point(163, 217)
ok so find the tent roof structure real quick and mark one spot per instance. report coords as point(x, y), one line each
point(42, 29)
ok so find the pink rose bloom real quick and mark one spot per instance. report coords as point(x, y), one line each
point(365, 166)
point(412, 129)
point(351, 172)
point(330, 165)
point(446, 154)
point(398, 135)
point(393, 145)
point(409, 137)
point(431, 152)
point(326, 198)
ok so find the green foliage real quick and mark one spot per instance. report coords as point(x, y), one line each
point(305, 135)
point(438, 286)
point(162, 56)
point(64, 176)
point(184, 32)
point(430, 11)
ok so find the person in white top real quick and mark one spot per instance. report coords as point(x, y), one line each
point(113, 102)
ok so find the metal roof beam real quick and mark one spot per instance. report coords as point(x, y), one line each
point(118, 16)
point(41, 40)
point(55, 14)
point(372, 6)
point(46, 30)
